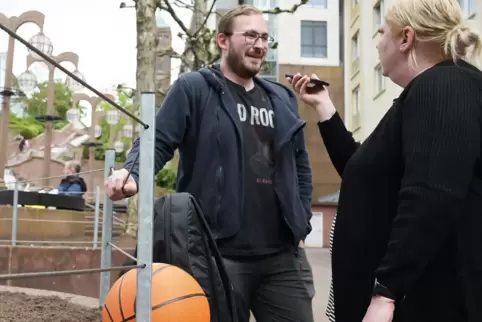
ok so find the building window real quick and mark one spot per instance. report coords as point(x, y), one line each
point(271, 21)
point(378, 14)
point(317, 3)
point(355, 96)
point(355, 45)
point(355, 52)
point(262, 4)
point(379, 79)
point(356, 101)
point(313, 39)
point(468, 7)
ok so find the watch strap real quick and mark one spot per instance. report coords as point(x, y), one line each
point(382, 290)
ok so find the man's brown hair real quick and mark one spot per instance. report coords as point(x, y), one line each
point(225, 25)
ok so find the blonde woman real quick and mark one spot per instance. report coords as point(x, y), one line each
point(407, 244)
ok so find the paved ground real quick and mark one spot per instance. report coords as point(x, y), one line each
point(320, 262)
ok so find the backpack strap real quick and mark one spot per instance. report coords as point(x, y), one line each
point(203, 92)
point(219, 261)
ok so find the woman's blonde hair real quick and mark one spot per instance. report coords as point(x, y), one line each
point(439, 22)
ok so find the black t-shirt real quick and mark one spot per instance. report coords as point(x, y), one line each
point(263, 229)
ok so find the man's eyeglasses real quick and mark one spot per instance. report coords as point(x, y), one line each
point(251, 37)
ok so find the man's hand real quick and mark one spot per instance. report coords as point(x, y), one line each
point(301, 244)
point(380, 310)
point(113, 186)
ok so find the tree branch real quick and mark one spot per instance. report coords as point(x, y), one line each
point(278, 10)
point(200, 44)
point(170, 10)
point(208, 14)
point(182, 5)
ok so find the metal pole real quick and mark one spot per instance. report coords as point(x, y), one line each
point(6, 109)
point(146, 203)
point(15, 214)
point(65, 273)
point(106, 250)
point(97, 212)
point(49, 126)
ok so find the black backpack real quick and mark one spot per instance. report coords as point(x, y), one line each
point(182, 238)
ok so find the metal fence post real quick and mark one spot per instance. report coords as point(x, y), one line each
point(14, 214)
point(97, 212)
point(106, 248)
point(146, 203)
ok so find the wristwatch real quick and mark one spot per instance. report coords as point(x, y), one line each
point(382, 290)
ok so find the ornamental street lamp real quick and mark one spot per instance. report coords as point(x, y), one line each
point(113, 118)
point(27, 81)
point(50, 117)
point(41, 42)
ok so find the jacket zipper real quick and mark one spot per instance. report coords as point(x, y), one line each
point(219, 172)
point(219, 175)
point(167, 229)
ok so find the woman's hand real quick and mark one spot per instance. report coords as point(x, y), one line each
point(317, 96)
point(380, 310)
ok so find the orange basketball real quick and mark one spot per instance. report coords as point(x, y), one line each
point(176, 297)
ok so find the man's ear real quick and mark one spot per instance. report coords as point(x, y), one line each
point(222, 41)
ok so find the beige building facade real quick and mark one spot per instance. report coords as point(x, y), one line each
point(368, 95)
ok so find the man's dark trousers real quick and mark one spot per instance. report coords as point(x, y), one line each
point(276, 288)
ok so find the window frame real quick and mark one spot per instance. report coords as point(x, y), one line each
point(314, 25)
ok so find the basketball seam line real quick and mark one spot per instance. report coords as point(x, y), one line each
point(108, 313)
point(169, 302)
point(120, 298)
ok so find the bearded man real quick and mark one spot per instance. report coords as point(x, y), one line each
point(242, 154)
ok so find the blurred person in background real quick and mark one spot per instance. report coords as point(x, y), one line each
point(72, 184)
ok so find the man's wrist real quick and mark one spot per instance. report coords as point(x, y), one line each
point(124, 171)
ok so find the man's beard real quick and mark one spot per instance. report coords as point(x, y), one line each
point(235, 63)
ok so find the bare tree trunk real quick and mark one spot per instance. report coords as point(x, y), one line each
point(145, 76)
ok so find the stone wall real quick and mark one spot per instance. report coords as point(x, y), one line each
point(41, 259)
point(37, 224)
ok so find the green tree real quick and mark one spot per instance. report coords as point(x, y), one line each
point(36, 104)
point(166, 178)
point(27, 126)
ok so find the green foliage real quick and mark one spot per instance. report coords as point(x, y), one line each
point(36, 105)
point(166, 178)
point(27, 126)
